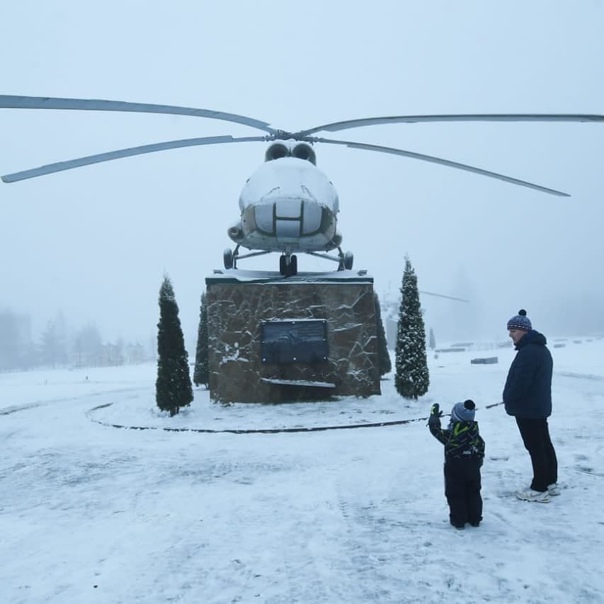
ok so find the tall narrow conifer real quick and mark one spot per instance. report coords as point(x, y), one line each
point(385, 363)
point(432, 340)
point(201, 374)
point(412, 378)
point(173, 388)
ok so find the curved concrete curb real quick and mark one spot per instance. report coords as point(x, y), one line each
point(258, 430)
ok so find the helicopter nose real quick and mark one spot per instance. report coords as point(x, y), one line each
point(287, 218)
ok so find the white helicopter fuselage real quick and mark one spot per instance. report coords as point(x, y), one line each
point(288, 205)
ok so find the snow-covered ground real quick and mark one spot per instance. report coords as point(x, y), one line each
point(100, 514)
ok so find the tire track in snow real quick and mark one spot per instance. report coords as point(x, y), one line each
point(71, 399)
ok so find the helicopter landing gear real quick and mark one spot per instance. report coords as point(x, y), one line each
point(346, 261)
point(229, 259)
point(288, 265)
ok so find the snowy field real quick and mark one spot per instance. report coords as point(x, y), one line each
point(93, 513)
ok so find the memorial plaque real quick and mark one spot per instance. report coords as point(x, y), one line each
point(303, 341)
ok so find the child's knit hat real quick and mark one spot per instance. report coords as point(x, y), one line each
point(463, 412)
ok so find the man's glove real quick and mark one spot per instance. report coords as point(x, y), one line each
point(435, 415)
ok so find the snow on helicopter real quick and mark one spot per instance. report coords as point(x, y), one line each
point(288, 205)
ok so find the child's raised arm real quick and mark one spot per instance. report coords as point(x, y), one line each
point(434, 424)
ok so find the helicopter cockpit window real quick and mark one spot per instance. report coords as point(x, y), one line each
point(312, 215)
point(264, 218)
point(287, 229)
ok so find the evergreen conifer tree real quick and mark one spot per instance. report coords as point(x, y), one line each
point(385, 364)
point(432, 341)
point(411, 378)
point(173, 388)
point(201, 375)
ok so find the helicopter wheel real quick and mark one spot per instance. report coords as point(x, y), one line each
point(288, 269)
point(228, 258)
point(348, 260)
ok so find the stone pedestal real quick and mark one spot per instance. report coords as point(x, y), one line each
point(266, 341)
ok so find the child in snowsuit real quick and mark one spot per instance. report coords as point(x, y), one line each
point(464, 453)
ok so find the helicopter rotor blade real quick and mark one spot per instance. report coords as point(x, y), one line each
point(35, 102)
point(442, 162)
point(443, 296)
point(492, 117)
point(121, 153)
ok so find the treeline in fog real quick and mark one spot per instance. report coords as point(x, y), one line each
point(61, 345)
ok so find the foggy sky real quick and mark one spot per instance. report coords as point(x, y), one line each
point(95, 242)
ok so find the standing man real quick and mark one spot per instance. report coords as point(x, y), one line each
point(527, 396)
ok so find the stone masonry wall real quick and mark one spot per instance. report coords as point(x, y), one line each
point(236, 310)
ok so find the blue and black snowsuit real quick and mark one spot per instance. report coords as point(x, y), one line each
point(464, 454)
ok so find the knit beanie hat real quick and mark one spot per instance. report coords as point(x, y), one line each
point(520, 321)
point(463, 412)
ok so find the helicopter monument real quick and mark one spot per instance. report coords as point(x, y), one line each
point(277, 337)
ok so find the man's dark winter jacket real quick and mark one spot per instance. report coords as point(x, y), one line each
point(528, 388)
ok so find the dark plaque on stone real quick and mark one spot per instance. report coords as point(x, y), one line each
point(302, 341)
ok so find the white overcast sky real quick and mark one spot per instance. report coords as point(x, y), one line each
point(95, 242)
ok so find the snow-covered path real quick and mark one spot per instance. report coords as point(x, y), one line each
point(97, 514)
